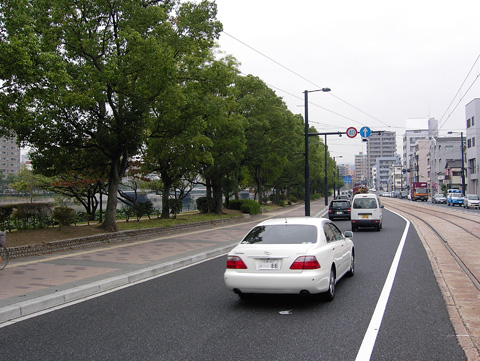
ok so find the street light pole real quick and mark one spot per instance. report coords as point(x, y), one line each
point(463, 165)
point(307, 165)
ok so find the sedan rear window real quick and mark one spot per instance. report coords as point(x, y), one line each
point(282, 234)
point(340, 204)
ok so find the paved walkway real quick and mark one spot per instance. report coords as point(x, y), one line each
point(35, 284)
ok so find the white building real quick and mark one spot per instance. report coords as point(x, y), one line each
point(472, 113)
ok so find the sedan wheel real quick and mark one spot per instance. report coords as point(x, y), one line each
point(351, 271)
point(330, 294)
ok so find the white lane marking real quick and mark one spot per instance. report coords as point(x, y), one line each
point(366, 349)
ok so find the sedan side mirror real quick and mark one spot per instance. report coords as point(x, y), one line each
point(348, 234)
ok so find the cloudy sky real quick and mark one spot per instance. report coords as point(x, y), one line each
point(386, 61)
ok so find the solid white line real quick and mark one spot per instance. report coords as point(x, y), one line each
point(366, 349)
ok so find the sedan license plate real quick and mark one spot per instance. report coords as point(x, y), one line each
point(268, 264)
point(339, 212)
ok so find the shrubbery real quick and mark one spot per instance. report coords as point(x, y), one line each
point(245, 205)
point(251, 207)
point(205, 204)
point(65, 216)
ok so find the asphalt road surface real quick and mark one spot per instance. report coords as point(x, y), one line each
point(190, 315)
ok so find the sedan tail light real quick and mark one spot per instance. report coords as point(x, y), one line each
point(235, 262)
point(305, 262)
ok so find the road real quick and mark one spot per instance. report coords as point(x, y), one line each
point(189, 315)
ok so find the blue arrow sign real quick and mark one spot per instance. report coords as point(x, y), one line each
point(365, 132)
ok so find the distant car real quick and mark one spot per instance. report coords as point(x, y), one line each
point(339, 208)
point(403, 194)
point(299, 255)
point(471, 200)
point(455, 198)
point(366, 212)
point(439, 198)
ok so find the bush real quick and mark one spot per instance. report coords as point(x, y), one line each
point(205, 205)
point(251, 207)
point(64, 215)
point(292, 199)
point(235, 204)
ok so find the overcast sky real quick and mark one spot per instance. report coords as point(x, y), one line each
point(385, 61)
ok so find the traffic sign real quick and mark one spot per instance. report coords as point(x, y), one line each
point(351, 132)
point(365, 132)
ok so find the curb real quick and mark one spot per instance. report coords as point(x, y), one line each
point(63, 298)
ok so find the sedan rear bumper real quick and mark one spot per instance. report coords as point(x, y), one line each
point(313, 281)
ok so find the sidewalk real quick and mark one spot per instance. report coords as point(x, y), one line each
point(35, 284)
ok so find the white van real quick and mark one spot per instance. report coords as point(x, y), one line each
point(366, 211)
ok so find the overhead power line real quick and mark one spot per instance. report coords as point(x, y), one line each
point(307, 80)
point(459, 89)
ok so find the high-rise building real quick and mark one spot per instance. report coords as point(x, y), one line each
point(362, 170)
point(9, 156)
point(380, 145)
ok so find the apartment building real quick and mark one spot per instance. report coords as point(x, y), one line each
point(9, 156)
point(471, 148)
point(380, 145)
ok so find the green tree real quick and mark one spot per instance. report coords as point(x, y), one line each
point(268, 132)
point(89, 74)
point(224, 127)
point(29, 182)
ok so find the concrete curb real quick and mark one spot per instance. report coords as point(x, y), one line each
point(43, 303)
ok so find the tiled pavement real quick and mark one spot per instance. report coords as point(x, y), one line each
point(34, 284)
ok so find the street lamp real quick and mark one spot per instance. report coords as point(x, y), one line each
point(307, 166)
point(338, 178)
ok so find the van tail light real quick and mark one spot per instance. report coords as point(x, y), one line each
point(305, 262)
point(235, 262)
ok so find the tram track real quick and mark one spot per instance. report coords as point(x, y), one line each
point(452, 241)
point(465, 267)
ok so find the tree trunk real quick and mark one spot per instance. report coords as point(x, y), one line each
point(218, 199)
point(165, 198)
point(117, 170)
point(109, 224)
point(167, 186)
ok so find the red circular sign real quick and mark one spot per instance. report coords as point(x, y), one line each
point(351, 132)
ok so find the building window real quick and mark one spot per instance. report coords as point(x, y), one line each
point(473, 121)
point(473, 141)
point(472, 166)
point(469, 143)
point(468, 123)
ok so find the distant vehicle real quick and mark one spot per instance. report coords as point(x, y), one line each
point(439, 198)
point(339, 208)
point(360, 189)
point(366, 212)
point(471, 200)
point(455, 198)
point(419, 191)
point(403, 194)
point(300, 255)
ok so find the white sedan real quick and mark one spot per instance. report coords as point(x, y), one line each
point(299, 255)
